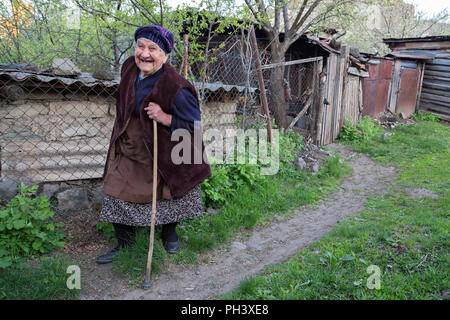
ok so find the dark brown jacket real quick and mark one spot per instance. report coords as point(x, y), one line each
point(182, 177)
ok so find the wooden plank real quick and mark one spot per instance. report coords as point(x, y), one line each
point(432, 106)
point(395, 86)
point(344, 58)
point(438, 68)
point(433, 85)
point(289, 63)
point(435, 103)
point(328, 96)
point(441, 62)
point(435, 97)
point(419, 85)
point(442, 55)
point(427, 77)
point(319, 122)
point(436, 92)
point(421, 45)
point(331, 98)
point(436, 73)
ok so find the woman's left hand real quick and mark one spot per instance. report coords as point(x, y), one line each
point(154, 111)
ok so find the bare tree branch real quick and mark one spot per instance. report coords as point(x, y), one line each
point(286, 18)
point(266, 26)
point(300, 12)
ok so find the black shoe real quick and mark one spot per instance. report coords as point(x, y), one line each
point(171, 246)
point(109, 257)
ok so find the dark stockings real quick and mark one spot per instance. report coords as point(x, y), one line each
point(169, 232)
point(125, 234)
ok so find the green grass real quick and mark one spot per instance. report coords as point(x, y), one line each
point(46, 280)
point(250, 206)
point(406, 238)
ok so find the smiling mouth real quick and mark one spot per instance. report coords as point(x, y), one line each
point(146, 61)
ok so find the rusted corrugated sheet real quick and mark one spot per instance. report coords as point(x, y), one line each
point(407, 94)
point(434, 94)
point(376, 88)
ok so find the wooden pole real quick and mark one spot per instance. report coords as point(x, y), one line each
point(322, 82)
point(261, 81)
point(146, 284)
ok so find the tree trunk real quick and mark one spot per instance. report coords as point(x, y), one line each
point(277, 101)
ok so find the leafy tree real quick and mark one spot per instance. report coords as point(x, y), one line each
point(390, 19)
point(281, 16)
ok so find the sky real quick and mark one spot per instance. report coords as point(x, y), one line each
point(430, 7)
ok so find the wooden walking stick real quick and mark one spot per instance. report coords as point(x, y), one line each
point(146, 284)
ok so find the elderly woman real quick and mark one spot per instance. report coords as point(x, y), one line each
point(150, 88)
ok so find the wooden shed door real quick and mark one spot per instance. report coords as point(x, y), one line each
point(407, 94)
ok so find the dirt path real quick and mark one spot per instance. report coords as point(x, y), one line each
point(273, 244)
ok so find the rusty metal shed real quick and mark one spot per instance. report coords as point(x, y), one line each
point(434, 93)
point(377, 86)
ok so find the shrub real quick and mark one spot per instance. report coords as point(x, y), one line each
point(369, 129)
point(348, 132)
point(227, 179)
point(26, 228)
point(424, 116)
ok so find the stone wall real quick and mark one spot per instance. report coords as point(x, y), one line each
point(219, 115)
point(50, 137)
point(55, 137)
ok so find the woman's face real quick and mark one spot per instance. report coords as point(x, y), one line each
point(149, 57)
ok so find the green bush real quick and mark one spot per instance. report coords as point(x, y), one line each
point(26, 228)
point(424, 116)
point(365, 130)
point(369, 129)
point(227, 179)
point(348, 132)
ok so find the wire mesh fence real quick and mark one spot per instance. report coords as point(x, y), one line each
point(57, 109)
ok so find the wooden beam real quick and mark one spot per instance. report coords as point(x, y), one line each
point(289, 63)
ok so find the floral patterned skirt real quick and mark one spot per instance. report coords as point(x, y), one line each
point(167, 211)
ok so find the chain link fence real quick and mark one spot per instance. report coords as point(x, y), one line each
point(57, 110)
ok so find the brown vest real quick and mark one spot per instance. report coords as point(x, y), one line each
point(180, 178)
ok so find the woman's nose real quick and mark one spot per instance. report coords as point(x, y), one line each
point(145, 53)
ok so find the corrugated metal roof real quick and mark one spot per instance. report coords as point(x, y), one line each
point(423, 39)
point(87, 80)
point(214, 86)
point(84, 79)
point(408, 56)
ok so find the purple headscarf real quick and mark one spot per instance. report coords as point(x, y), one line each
point(159, 35)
